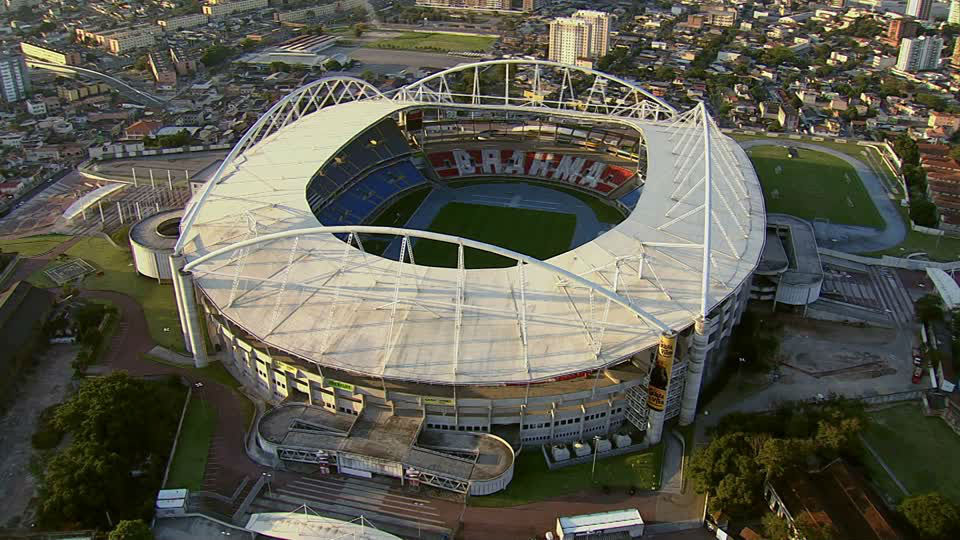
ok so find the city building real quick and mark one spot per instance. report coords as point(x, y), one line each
point(954, 16)
point(49, 53)
point(898, 29)
point(121, 40)
point(725, 17)
point(182, 62)
point(483, 5)
point(919, 9)
point(78, 91)
point(12, 6)
point(919, 54)
point(955, 59)
point(813, 498)
point(14, 78)
point(600, 23)
point(184, 21)
point(37, 107)
point(570, 41)
point(580, 38)
point(163, 70)
point(218, 8)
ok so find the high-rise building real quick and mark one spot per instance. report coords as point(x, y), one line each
point(899, 29)
point(569, 40)
point(919, 9)
point(920, 54)
point(580, 38)
point(14, 78)
point(600, 30)
point(954, 17)
point(955, 60)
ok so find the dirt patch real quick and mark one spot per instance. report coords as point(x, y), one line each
point(46, 384)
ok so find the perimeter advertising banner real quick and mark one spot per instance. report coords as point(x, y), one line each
point(660, 378)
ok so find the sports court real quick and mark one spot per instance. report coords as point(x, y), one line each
point(813, 185)
point(69, 271)
point(526, 217)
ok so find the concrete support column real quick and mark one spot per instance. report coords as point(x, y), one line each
point(190, 316)
point(176, 264)
point(659, 386)
point(695, 363)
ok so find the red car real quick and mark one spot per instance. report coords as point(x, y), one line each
point(917, 374)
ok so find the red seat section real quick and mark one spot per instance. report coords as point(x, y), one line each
point(561, 168)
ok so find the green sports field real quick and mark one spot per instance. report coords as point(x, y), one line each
point(919, 449)
point(427, 41)
point(813, 185)
point(536, 233)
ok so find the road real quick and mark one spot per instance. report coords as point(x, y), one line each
point(853, 239)
point(121, 86)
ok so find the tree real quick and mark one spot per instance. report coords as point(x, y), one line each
point(215, 55)
point(101, 412)
point(923, 212)
point(358, 29)
point(838, 435)
point(929, 308)
point(131, 530)
point(142, 63)
point(369, 76)
point(778, 456)
point(906, 149)
point(774, 527)
point(932, 515)
point(727, 470)
point(809, 529)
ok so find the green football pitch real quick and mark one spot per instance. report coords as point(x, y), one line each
point(536, 233)
point(813, 185)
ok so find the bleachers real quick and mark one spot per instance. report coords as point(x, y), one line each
point(565, 168)
point(382, 142)
point(359, 202)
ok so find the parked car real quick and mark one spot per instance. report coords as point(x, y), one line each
point(917, 374)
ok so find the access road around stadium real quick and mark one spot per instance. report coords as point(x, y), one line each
point(851, 238)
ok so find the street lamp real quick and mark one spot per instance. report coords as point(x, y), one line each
point(596, 439)
point(267, 477)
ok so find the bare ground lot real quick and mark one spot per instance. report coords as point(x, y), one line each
point(823, 358)
point(44, 385)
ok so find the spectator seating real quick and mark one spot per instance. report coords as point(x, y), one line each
point(565, 168)
point(361, 200)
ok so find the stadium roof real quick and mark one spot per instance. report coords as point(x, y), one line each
point(249, 242)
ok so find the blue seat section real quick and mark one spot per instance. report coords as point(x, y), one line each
point(382, 142)
point(630, 199)
point(359, 202)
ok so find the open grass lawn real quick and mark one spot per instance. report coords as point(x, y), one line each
point(116, 265)
point(532, 481)
point(190, 460)
point(813, 185)
point(920, 450)
point(531, 232)
point(31, 246)
point(428, 41)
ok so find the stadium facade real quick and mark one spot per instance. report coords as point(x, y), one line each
point(440, 373)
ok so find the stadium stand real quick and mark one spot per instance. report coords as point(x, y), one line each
point(630, 198)
point(365, 174)
point(567, 168)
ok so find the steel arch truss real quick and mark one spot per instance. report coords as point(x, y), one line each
point(547, 85)
point(305, 100)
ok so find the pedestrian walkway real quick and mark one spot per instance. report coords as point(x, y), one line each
point(348, 498)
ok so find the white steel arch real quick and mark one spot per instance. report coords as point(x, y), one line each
point(299, 103)
point(607, 95)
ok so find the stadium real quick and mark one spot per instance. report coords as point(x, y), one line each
point(505, 254)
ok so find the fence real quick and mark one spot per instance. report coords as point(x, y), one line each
point(176, 438)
